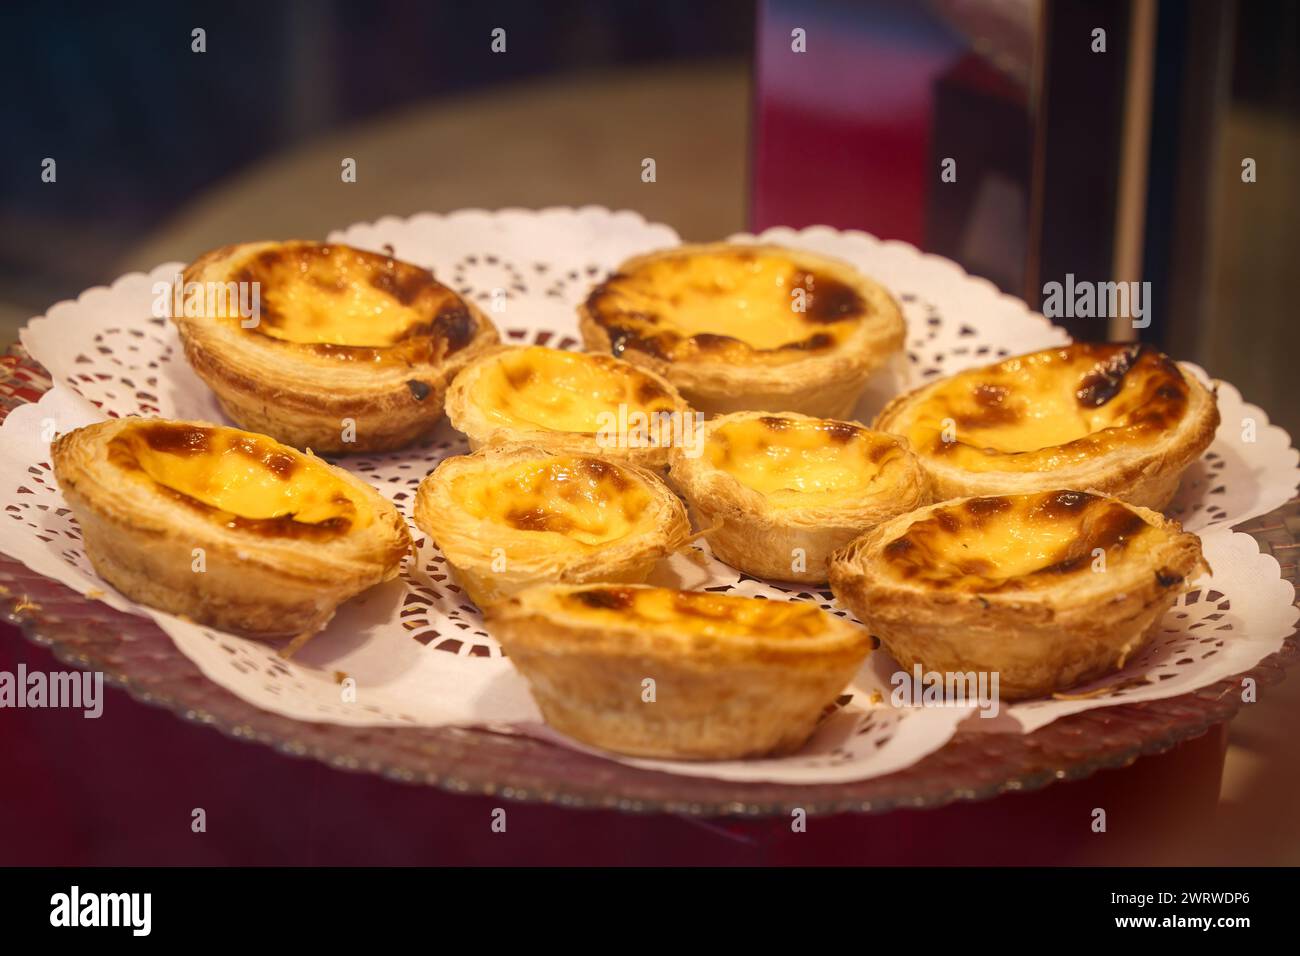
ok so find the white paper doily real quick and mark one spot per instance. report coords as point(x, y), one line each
point(416, 647)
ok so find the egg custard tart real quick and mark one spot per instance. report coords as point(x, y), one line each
point(1120, 419)
point(512, 516)
point(228, 528)
point(690, 675)
point(1047, 590)
point(568, 401)
point(782, 491)
point(342, 350)
point(739, 327)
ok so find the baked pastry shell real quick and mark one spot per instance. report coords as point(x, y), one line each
point(752, 535)
point(1039, 641)
point(468, 418)
point(468, 543)
point(825, 385)
point(303, 399)
point(715, 699)
point(142, 542)
point(1148, 477)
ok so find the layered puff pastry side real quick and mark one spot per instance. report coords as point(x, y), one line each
point(507, 517)
point(740, 327)
point(345, 350)
point(1047, 590)
point(225, 527)
point(778, 493)
point(687, 675)
point(1117, 418)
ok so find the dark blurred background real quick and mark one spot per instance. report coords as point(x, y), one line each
point(1120, 164)
point(162, 152)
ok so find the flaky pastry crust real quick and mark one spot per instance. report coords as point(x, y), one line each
point(508, 517)
point(1120, 419)
point(263, 577)
point(1048, 590)
point(684, 675)
point(822, 327)
point(352, 350)
point(781, 491)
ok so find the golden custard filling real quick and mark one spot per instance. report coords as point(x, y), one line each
point(802, 462)
point(1017, 542)
point(735, 304)
point(346, 302)
point(245, 480)
point(553, 390)
point(696, 613)
point(586, 500)
point(1048, 409)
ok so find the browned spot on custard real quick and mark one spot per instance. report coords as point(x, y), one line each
point(829, 300)
point(841, 433)
point(604, 599)
point(1062, 504)
point(622, 338)
point(684, 603)
point(772, 423)
point(402, 281)
point(981, 509)
point(518, 375)
point(281, 465)
point(898, 547)
point(269, 259)
point(175, 439)
point(990, 400)
point(1104, 382)
point(1110, 529)
point(278, 463)
point(946, 520)
point(603, 471)
point(538, 519)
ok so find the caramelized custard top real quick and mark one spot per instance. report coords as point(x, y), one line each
point(353, 306)
point(735, 305)
point(240, 479)
point(697, 613)
point(1041, 411)
point(1018, 542)
point(587, 500)
point(805, 462)
point(554, 390)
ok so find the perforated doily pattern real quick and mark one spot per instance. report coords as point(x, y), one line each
point(529, 271)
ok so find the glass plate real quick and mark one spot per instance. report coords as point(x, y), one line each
point(135, 655)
